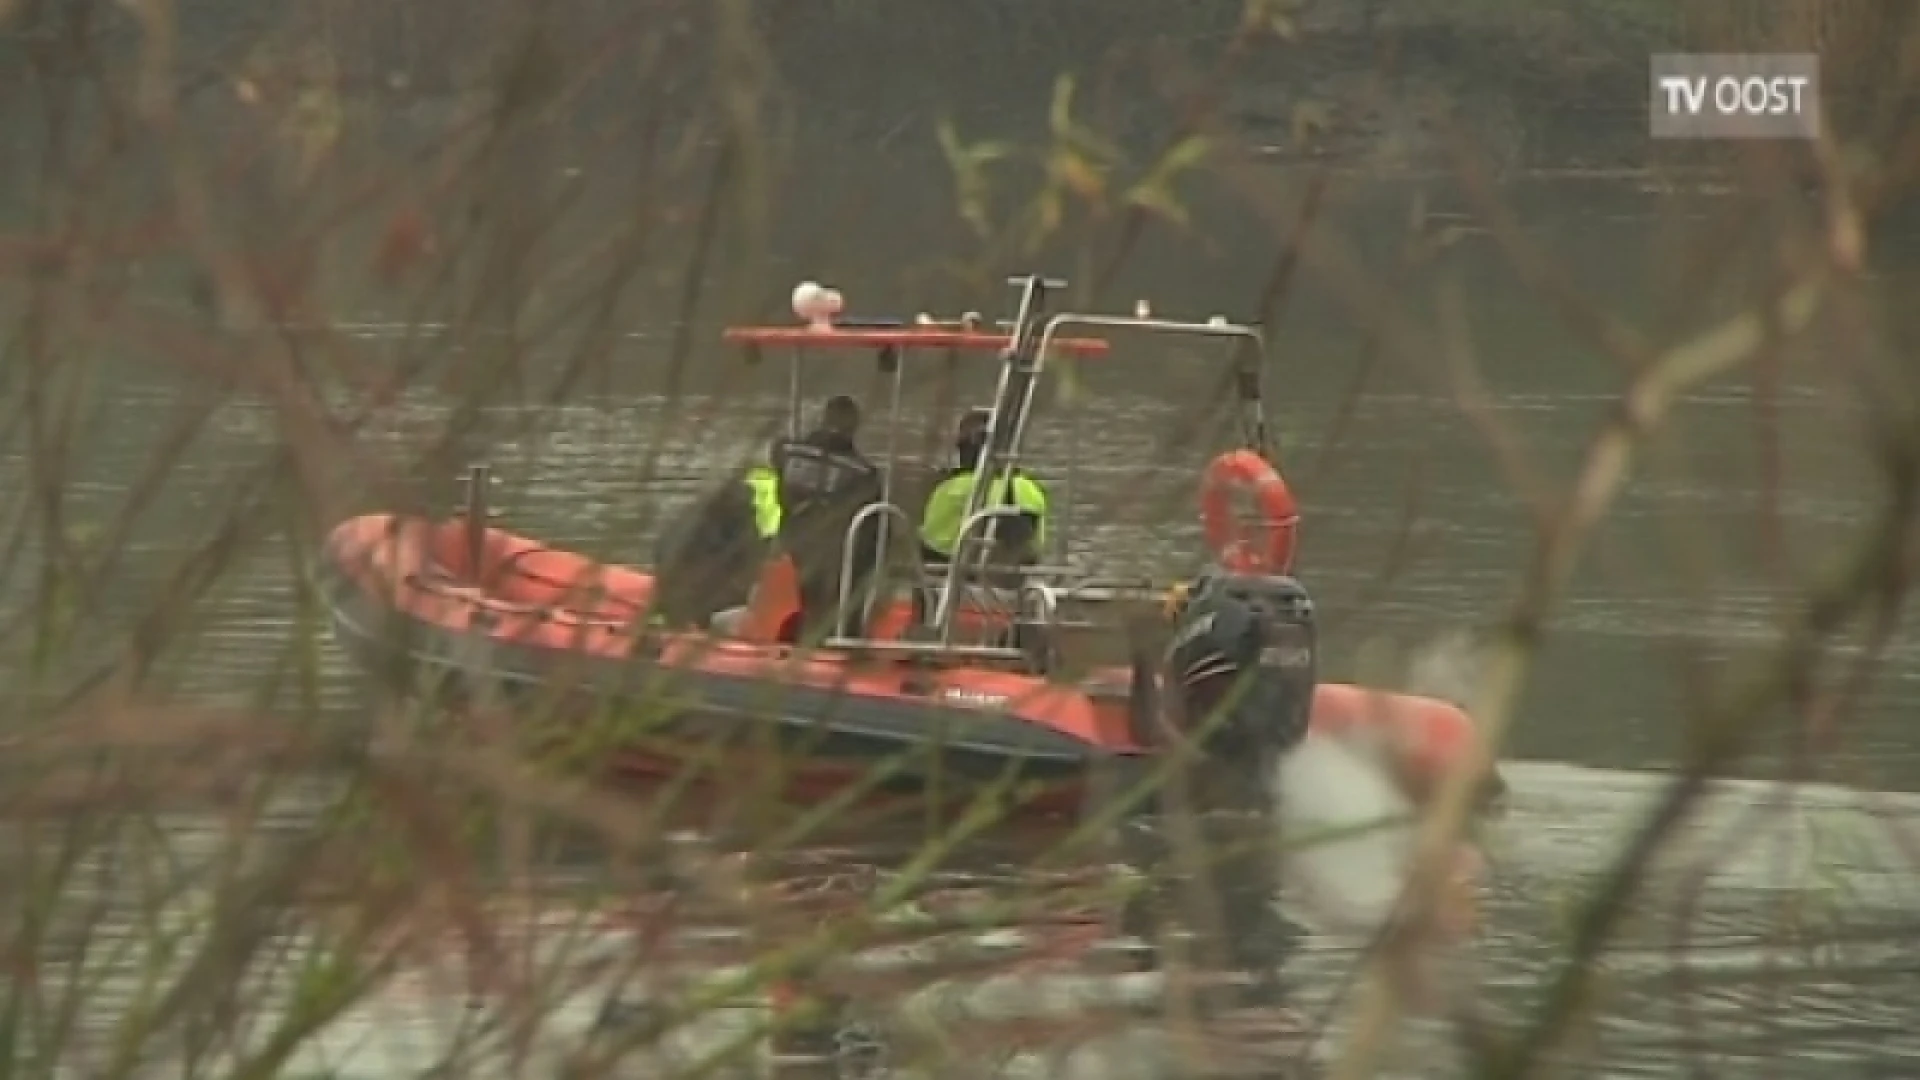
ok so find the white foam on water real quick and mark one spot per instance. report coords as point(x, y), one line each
point(1346, 832)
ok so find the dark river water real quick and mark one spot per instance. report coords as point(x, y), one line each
point(1413, 540)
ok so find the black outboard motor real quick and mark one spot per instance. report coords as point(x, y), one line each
point(1241, 665)
point(1237, 679)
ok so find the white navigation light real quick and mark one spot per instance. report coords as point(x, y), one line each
point(805, 296)
point(816, 305)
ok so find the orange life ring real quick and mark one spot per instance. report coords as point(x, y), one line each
point(1244, 471)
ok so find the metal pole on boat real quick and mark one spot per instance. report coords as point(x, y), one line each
point(794, 389)
point(1069, 516)
point(1249, 373)
point(890, 358)
point(1011, 394)
point(1249, 365)
point(479, 481)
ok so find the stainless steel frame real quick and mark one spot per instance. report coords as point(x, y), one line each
point(1023, 363)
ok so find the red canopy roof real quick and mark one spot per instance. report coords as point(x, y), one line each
point(906, 337)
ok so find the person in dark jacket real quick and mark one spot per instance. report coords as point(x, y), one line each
point(1216, 696)
point(826, 459)
point(707, 559)
point(824, 481)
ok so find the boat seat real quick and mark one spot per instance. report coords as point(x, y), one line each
point(987, 599)
point(1002, 617)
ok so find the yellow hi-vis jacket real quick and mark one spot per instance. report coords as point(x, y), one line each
point(947, 506)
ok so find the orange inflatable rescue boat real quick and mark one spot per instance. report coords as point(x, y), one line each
point(541, 626)
point(946, 679)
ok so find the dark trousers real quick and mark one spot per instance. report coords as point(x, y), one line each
point(1222, 888)
point(818, 550)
